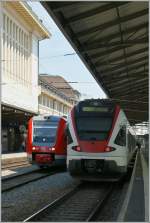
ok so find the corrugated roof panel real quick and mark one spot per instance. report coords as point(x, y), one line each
point(111, 38)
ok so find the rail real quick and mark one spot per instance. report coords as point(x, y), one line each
point(74, 205)
point(20, 180)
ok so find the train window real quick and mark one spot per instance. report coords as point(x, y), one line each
point(131, 141)
point(69, 137)
point(44, 134)
point(95, 128)
point(121, 137)
point(44, 131)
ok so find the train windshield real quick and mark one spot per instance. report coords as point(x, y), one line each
point(44, 133)
point(93, 128)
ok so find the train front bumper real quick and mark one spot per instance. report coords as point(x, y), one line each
point(99, 166)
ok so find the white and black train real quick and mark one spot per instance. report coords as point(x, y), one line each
point(100, 141)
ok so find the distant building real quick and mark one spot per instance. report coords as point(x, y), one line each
point(57, 96)
point(20, 33)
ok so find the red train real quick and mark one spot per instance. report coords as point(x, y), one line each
point(46, 141)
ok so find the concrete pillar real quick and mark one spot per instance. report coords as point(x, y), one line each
point(4, 140)
point(11, 139)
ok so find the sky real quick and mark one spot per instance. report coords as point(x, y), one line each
point(54, 61)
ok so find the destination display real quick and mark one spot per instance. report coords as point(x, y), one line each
point(95, 109)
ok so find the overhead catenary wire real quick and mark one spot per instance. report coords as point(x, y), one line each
point(44, 58)
point(73, 82)
point(55, 56)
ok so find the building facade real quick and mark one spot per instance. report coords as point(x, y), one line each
point(53, 100)
point(20, 33)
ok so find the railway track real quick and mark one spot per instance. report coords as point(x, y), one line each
point(20, 180)
point(86, 202)
point(80, 204)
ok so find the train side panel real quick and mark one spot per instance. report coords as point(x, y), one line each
point(61, 144)
point(29, 140)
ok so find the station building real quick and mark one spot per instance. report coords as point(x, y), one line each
point(20, 33)
point(57, 96)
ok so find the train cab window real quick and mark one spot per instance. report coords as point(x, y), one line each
point(68, 134)
point(93, 128)
point(121, 137)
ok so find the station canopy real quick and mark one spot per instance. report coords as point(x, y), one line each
point(111, 38)
point(13, 116)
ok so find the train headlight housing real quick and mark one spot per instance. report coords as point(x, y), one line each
point(109, 149)
point(76, 148)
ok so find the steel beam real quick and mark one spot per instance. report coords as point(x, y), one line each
point(135, 110)
point(133, 106)
point(117, 34)
point(134, 75)
point(123, 64)
point(117, 43)
point(136, 91)
point(94, 12)
point(144, 97)
point(121, 75)
point(128, 101)
point(112, 23)
point(134, 121)
point(104, 52)
point(129, 105)
point(138, 116)
point(135, 88)
point(103, 62)
point(132, 97)
point(60, 5)
point(125, 82)
point(123, 85)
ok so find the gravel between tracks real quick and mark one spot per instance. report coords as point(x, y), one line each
point(21, 202)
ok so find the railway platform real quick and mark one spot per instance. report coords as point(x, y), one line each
point(15, 164)
point(135, 207)
point(13, 159)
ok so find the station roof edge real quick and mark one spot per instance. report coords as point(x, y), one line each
point(24, 9)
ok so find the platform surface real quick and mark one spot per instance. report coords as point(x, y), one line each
point(136, 204)
point(13, 155)
point(18, 171)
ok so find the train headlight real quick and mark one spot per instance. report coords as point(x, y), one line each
point(53, 149)
point(76, 148)
point(109, 149)
point(33, 148)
